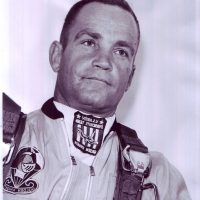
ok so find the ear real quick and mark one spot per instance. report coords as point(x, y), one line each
point(130, 77)
point(55, 55)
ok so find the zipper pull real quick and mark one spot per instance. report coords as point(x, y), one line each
point(73, 160)
point(92, 172)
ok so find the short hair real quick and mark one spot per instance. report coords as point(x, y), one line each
point(73, 12)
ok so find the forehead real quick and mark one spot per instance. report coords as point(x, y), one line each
point(109, 19)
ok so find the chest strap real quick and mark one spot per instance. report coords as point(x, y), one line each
point(134, 165)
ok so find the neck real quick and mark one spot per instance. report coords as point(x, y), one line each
point(88, 109)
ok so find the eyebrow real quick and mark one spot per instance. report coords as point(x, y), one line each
point(94, 35)
point(87, 32)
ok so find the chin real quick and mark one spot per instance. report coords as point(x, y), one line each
point(94, 101)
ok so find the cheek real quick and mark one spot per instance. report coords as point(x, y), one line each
point(80, 64)
point(122, 74)
point(70, 67)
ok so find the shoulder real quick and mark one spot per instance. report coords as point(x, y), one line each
point(163, 168)
point(36, 118)
point(35, 115)
point(35, 123)
point(167, 178)
point(161, 165)
point(158, 159)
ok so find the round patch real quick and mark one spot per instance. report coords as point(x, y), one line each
point(28, 162)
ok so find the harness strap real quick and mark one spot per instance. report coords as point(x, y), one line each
point(131, 173)
point(13, 128)
point(128, 136)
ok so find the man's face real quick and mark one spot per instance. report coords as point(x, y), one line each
point(96, 67)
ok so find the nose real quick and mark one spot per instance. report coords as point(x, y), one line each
point(102, 60)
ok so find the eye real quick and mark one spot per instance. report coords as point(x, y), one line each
point(89, 43)
point(122, 52)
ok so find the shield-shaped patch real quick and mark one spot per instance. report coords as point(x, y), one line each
point(88, 132)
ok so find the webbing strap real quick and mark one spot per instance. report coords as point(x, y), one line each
point(11, 115)
point(129, 185)
point(13, 128)
point(129, 136)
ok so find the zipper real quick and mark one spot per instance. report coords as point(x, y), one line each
point(72, 164)
point(92, 171)
point(69, 180)
point(89, 183)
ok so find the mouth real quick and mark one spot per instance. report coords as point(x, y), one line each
point(98, 79)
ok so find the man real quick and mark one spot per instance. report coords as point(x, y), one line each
point(71, 148)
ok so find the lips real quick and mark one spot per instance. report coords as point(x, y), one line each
point(98, 79)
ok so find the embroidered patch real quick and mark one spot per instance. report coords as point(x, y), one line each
point(88, 132)
point(27, 163)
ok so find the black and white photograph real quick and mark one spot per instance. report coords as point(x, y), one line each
point(100, 100)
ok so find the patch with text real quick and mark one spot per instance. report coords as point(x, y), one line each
point(26, 164)
point(88, 132)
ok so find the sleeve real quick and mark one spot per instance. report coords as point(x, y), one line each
point(169, 181)
point(23, 178)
